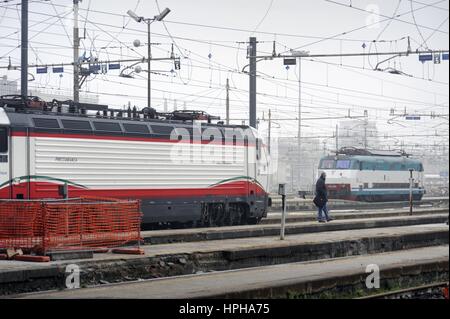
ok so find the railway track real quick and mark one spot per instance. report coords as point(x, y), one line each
point(308, 216)
point(303, 224)
point(431, 291)
point(301, 204)
point(298, 216)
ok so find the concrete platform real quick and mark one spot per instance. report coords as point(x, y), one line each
point(215, 255)
point(293, 280)
point(218, 233)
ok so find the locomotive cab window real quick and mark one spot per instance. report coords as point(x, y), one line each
point(3, 140)
point(46, 123)
point(343, 164)
point(136, 128)
point(107, 127)
point(327, 164)
point(77, 125)
point(163, 130)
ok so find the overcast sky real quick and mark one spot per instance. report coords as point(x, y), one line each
point(210, 37)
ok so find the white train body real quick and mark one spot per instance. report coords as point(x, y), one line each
point(178, 175)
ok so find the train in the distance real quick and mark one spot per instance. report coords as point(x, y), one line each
point(372, 176)
point(184, 169)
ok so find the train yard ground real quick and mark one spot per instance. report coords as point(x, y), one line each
point(315, 261)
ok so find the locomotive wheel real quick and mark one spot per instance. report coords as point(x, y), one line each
point(230, 217)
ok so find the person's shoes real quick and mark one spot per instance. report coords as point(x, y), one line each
point(329, 219)
point(321, 221)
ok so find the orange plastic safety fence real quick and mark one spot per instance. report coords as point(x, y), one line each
point(69, 225)
point(21, 225)
point(91, 224)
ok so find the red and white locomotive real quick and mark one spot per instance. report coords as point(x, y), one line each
point(183, 170)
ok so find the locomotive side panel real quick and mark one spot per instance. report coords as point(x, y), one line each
point(374, 183)
point(20, 167)
point(121, 166)
point(171, 179)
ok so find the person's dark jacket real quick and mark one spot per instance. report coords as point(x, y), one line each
point(321, 189)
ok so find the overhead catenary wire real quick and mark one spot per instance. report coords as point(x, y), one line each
point(340, 88)
point(263, 18)
point(412, 11)
point(434, 32)
point(359, 28)
point(335, 88)
point(417, 26)
point(241, 30)
point(349, 66)
point(382, 31)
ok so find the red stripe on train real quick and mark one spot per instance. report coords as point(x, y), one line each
point(39, 190)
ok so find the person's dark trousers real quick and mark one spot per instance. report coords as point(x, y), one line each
point(324, 210)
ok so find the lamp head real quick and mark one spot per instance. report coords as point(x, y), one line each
point(162, 15)
point(134, 16)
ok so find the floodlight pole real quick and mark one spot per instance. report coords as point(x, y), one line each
point(252, 86)
point(299, 120)
point(149, 21)
point(24, 51)
point(76, 47)
point(149, 79)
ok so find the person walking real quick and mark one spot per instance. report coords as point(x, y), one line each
point(321, 199)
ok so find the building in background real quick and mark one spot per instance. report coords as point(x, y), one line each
point(298, 171)
point(358, 133)
point(436, 166)
point(49, 95)
point(8, 87)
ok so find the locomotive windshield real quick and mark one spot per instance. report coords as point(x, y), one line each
point(3, 140)
point(327, 164)
point(343, 164)
point(339, 164)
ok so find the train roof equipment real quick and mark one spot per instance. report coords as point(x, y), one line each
point(353, 151)
point(35, 105)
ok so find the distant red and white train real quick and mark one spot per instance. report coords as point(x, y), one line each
point(372, 176)
point(182, 170)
